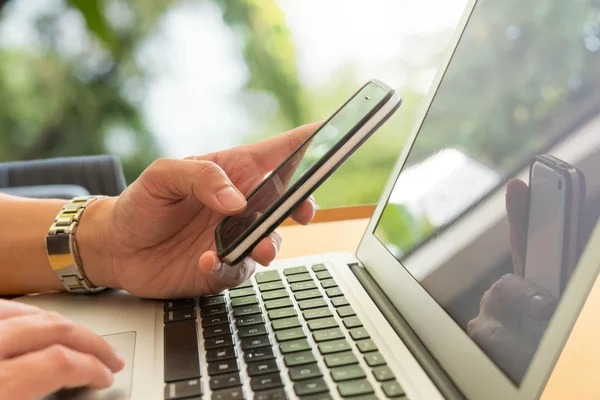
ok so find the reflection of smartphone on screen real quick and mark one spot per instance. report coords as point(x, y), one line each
point(556, 195)
point(294, 180)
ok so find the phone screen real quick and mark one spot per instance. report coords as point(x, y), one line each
point(297, 167)
point(546, 228)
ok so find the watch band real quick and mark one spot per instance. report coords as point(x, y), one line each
point(61, 246)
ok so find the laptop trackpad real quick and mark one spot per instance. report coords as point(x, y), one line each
point(124, 344)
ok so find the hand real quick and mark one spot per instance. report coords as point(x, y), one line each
point(513, 313)
point(43, 352)
point(156, 240)
point(512, 318)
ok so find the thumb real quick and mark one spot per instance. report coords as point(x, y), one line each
point(173, 180)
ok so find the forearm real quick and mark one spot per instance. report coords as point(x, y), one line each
point(24, 265)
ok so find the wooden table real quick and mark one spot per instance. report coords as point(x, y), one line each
point(577, 373)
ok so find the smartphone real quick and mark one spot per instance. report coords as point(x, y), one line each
point(556, 198)
point(313, 161)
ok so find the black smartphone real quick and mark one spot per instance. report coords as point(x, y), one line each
point(556, 198)
point(295, 179)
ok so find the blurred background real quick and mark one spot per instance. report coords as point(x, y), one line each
point(172, 78)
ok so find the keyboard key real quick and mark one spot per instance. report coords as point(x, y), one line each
point(281, 313)
point(312, 303)
point(322, 323)
point(216, 330)
point(323, 275)
point(320, 396)
point(248, 310)
point(355, 388)
point(181, 351)
point(307, 294)
point(267, 276)
point(251, 331)
point(339, 302)
point(212, 301)
point(340, 359)
point(180, 314)
point(262, 368)
point(359, 333)
point(217, 342)
point(244, 301)
point(266, 382)
point(345, 311)
point(334, 292)
point(366, 345)
point(316, 313)
point(235, 293)
point(294, 346)
point(249, 320)
point(235, 393)
point(244, 284)
point(224, 353)
point(285, 323)
point(297, 287)
point(279, 303)
point(328, 283)
point(183, 389)
point(334, 346)
point(265, 287)
point(352, 322)
point(225, 381)
point(273, 394)
point(392, 389)
point(301, 358)
point(319, 268)
point(289, 334)
point(223, 367)
point(299, 278)
point(328, 334)
point(304, 372)
point(256, 342)
point(214, 320)
point(275, 294)
point(212, 311)
point(383, 373)
point(347, 373)
point(311, 386)
point(374, 359)
point(256, 355)
point(294, 271)
point(178, 303)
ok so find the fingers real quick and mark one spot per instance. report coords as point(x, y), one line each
point(48, 370)
point(174, 180)
point(271, 152)
point(517, 204)
point(10, 309)
point(266, 250)
point(512, 296)
point(33, 332)
point(220, 276)
point(305, 212)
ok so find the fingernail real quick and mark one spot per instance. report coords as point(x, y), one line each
point(541, 306)
point(118, 356)
point(230, 198)
point(276, 239)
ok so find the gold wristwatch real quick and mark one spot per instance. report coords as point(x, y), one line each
point(61, 246)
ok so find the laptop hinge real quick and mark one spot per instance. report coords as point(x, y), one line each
point(429, 364)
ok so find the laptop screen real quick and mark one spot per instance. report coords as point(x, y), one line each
point(501, 188)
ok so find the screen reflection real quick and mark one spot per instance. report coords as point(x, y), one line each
point(501, 189)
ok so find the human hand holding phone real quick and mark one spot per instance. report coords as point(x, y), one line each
point(313, 161)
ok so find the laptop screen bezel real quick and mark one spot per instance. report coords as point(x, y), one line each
point(474, 373)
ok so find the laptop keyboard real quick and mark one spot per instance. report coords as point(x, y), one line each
point(282, 334)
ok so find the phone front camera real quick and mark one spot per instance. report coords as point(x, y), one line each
point(367, 98)
point(559, 185)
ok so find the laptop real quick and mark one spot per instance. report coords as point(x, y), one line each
point(444, 298)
